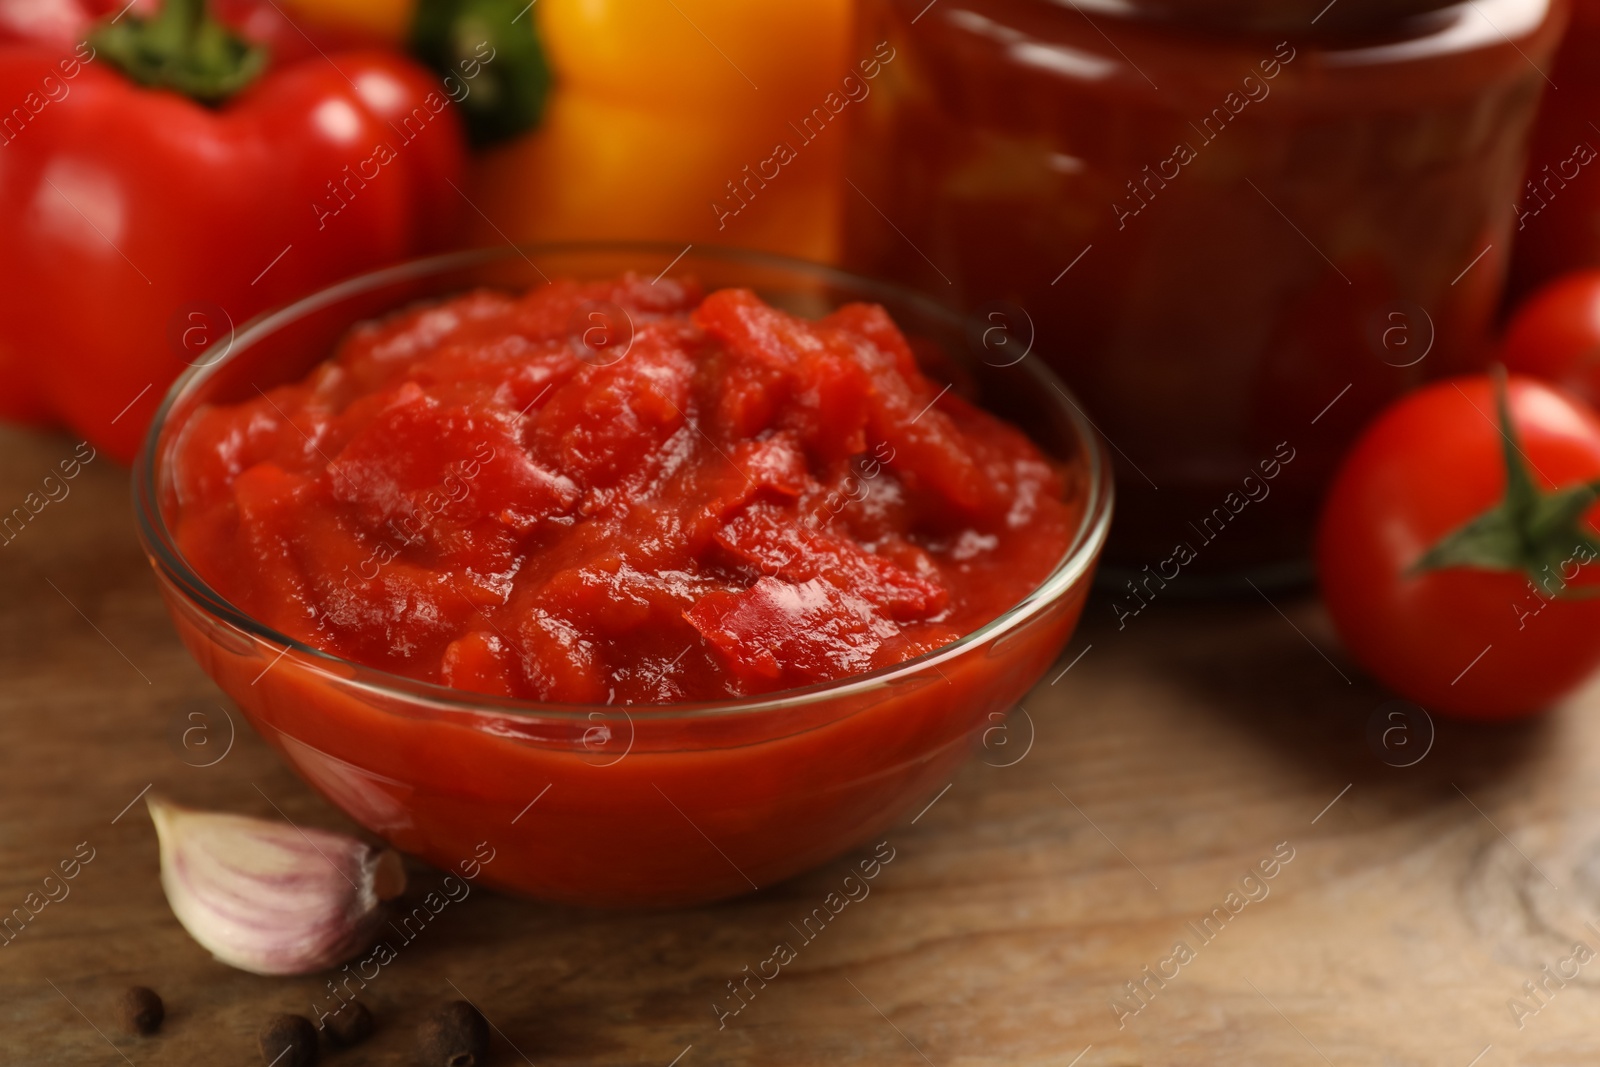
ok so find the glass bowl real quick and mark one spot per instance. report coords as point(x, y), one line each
point(658, 805)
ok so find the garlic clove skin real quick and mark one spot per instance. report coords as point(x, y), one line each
point(268, 897)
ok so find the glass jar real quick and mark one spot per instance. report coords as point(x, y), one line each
point(1235, 248)
point(1558, 206)
point(1302, 17)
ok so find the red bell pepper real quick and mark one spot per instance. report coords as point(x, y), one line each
point(158, 182)
point(60, 22)
point(265, 22)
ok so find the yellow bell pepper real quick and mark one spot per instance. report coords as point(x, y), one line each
point(679, 120)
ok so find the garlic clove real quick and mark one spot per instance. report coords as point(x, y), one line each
point(268, 897)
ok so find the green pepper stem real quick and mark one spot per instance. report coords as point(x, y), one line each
point(184, 48)
point(489, 55)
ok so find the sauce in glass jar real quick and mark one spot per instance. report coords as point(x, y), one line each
point(1558, 206)
point(1303, 17)
point(1235, 248)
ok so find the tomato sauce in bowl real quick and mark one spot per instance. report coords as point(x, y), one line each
point(729, 501)
point(686, 567)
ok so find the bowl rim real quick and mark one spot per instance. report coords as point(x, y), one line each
point(169, 562)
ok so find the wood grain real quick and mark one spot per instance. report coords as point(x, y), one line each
point(1174, 756)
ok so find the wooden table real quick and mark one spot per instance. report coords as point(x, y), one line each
point(1173, 756)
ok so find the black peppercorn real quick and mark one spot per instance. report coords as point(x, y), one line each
point(139, 1010)
point(455, 1035)
point(350, 1025)
point(288, 1041)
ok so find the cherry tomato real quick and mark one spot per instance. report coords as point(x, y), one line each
point(1455, 560)
point(1555, 335)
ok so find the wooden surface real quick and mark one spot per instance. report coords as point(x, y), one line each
point(1175, 755)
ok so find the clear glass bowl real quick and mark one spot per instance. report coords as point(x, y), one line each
point(659, 805)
